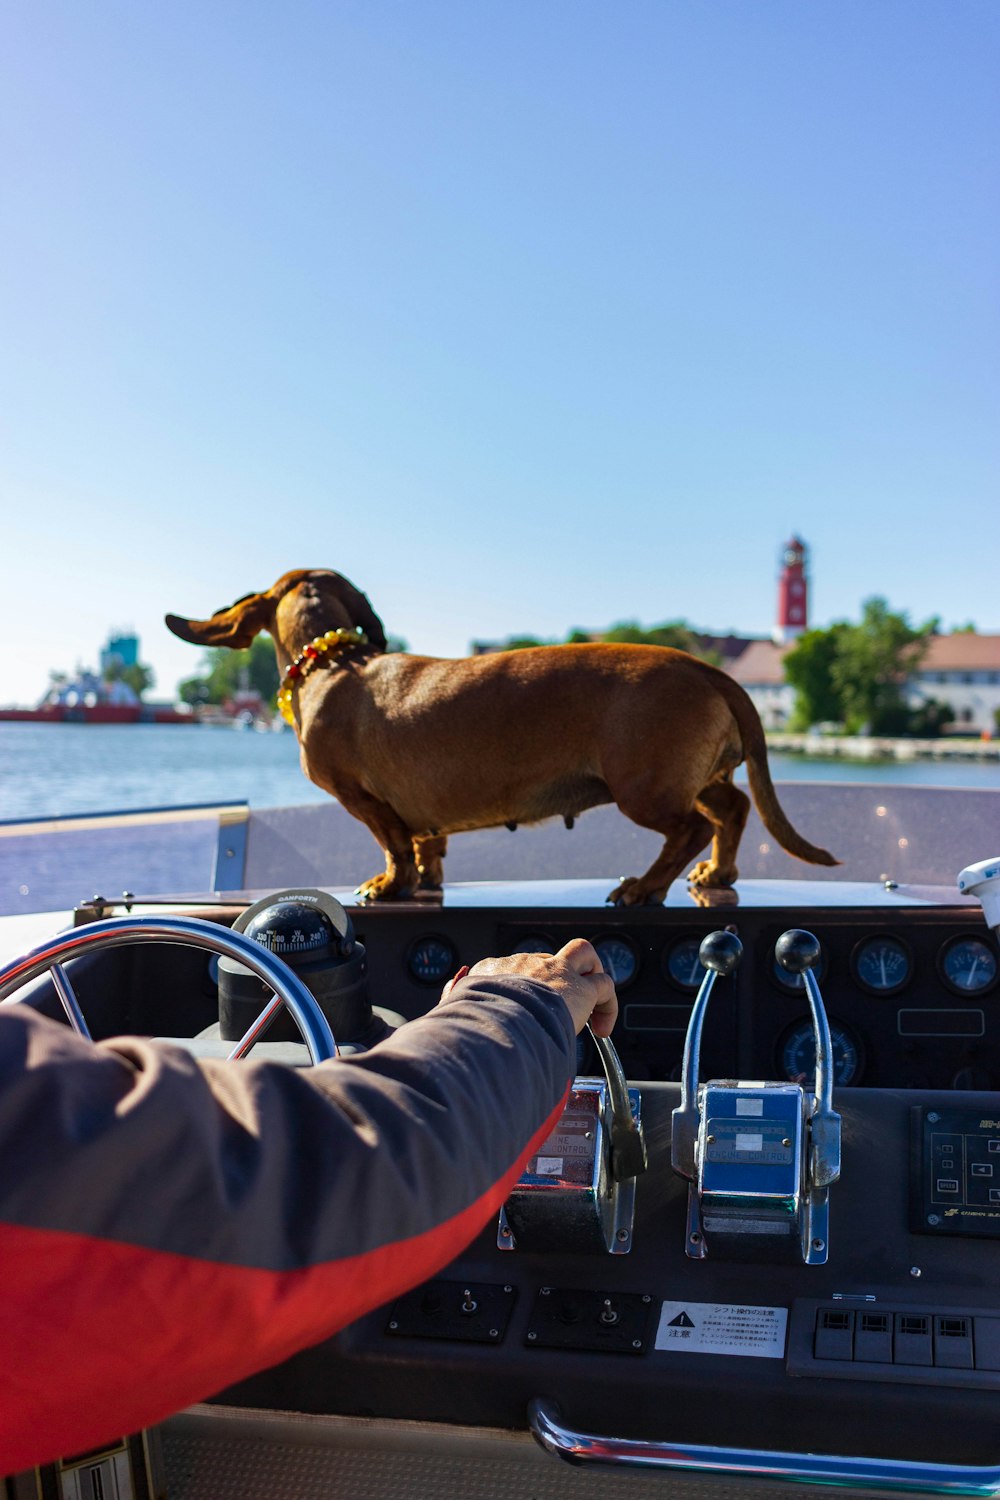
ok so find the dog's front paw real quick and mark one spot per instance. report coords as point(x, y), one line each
point(632, 891)
point(383, 888)
point(617, 897)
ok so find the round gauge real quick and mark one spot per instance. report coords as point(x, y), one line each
point(882, 965)
point(794, 983)
point(682, 965)
point(797, 1054)
point(431, 960)
point(968, 965)
point(619, 957)
point(534, 942)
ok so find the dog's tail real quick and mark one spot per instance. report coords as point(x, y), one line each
point(771, 813)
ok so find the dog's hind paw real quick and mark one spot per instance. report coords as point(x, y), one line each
point(712, 876)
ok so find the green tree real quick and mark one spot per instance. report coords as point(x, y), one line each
point(677, 634)
point(809, 668)
point(138, 676)
point(193, 690)
point(931, 719)
point(626, 632)
point(522, 642)
point(872, 662)
point(227, 670)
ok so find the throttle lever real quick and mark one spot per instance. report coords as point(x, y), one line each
point(797, 951)
point(628, 1146)
point(577, 1192)
point(759, 1157)
point(719, 953)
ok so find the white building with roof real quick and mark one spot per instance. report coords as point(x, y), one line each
point(962, 670)
point(760, 670)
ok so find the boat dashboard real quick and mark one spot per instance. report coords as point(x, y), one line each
point(910, 976)
point(871, 1363)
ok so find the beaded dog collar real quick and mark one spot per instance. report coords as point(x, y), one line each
point(334, 640)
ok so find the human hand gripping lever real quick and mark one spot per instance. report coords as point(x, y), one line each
point(575, 973)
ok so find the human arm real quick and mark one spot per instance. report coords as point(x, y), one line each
point(186, 1223)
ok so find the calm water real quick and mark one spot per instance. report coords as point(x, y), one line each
point(48, 770)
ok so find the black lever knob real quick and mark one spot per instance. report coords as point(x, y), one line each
point(796, 950)
point(721, 951)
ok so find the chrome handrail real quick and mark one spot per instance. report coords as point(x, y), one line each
point(889, 1474)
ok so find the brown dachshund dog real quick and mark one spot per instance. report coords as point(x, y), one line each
point(419, 748)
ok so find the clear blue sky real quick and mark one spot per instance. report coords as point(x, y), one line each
point(524, 316)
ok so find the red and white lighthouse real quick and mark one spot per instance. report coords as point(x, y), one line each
point(793, 592)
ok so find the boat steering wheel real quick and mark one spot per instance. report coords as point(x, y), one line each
point(116, 932)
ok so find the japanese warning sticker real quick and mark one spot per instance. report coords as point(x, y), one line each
point(722, 1328)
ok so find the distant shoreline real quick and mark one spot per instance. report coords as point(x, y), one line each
point(876, 747)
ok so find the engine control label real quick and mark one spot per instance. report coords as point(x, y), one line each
point(722, 1328)
point(569, 1152)
point(755, 1143)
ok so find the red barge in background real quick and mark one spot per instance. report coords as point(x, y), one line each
point(101, 698)
point(98, 713)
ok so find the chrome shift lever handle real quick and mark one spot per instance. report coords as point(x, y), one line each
point(719, 953)
point(628, 1146)
point(797, 951)
point(759, 1157)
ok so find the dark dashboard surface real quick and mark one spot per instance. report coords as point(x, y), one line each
point(890, 1347)
point(910, 975)
point(910, 984)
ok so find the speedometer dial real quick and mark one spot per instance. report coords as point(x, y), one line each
point(683, 965)
point(797, 1054)
point(431, 960)
point(882, 965)
point(534, 942)
point(619, 957)
point(968, 965)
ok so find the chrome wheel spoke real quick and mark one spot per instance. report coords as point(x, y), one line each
point(68, 1001)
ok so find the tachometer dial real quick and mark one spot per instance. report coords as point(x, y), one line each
point(534, 942)
point(619, 957)
point(968, 965)
point(682, 964)
point(797, 1054)
point(431, 960)
point(882, 965)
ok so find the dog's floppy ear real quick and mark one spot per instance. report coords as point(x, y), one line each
point(236, 626)
point(362, 614)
